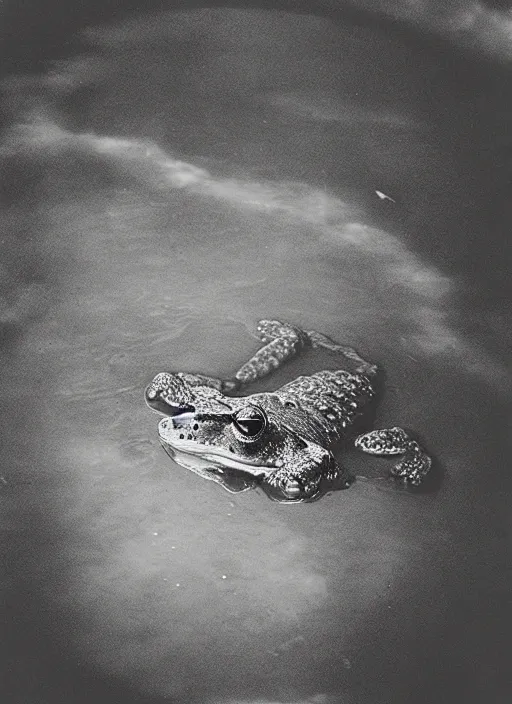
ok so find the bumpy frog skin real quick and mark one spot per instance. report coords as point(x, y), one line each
point(281, 441)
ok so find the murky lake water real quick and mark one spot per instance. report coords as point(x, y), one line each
point(179, 178)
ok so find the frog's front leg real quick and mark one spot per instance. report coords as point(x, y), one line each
point(282, 342)
point(304, 476)
point(415, 463)
point(170, 392)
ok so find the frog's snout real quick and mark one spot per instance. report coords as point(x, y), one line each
point(163, 425)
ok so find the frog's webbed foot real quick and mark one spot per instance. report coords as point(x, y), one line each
point(363, 367)
point(414, 465)
point(306, 477)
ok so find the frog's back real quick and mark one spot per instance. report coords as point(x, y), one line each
point(338, 397)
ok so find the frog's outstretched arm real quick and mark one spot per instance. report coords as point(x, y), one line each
point(171, 392)
point(283, 342)
point(415, 463)
point(319, 340)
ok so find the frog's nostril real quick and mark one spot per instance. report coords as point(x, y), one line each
point(151, 393)
point(292, 489)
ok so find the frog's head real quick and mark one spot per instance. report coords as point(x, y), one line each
point(246, 437)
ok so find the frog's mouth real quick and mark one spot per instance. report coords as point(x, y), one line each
point(184, 442)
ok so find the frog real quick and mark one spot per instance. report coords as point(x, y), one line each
point(282, 441)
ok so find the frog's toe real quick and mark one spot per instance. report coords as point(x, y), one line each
point(297, 487)
point(389, 441)
point(413, 468)
point(292, 488)
point(286, 486)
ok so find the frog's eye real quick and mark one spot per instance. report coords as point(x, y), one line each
point(249, 422)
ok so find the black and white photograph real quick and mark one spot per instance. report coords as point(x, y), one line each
point(255, 349)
